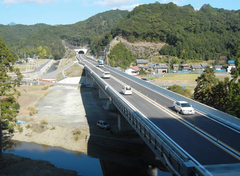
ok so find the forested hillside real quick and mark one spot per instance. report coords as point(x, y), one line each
point(189, 34)
point(25, 39)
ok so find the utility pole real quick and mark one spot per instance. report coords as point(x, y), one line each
point(169, 64)
point(151, 64)
point(37, 71)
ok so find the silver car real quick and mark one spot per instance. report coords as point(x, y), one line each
point(183, 107)
point(103, 124)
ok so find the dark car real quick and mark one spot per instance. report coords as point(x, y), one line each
point(145, 79)
point(103, 124)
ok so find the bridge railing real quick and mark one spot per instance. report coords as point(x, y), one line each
point(212, 112)
point(174, 157)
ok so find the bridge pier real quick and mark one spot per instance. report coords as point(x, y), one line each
point(89, 80)
point(123, 124)
point(102, 95)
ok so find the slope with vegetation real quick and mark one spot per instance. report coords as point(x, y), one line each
point(189, 35)
point(24, 40)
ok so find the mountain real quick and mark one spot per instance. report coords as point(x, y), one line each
point(189, 35)
point(12, 24)
point(26, 38)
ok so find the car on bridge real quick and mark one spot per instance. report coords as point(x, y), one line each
point(102, 124)
point(183, 107)
point(106, 74)
point(127, 90)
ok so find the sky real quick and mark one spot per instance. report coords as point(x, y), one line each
point(53, 12)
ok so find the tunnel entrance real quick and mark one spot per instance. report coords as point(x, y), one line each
point(81, 52)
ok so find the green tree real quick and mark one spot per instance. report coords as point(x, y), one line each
point(121, 56)
point(205, 82)
point(8, 91)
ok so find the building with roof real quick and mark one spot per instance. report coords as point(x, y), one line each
point(196, 67)
point(218, 67)
point(160, 68)
point(141, 62)
point(204, 65)
point(185, 67)
point(231, 65)
point(175, 67)
point(134, 70)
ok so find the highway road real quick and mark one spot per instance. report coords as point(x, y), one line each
point(213, 143)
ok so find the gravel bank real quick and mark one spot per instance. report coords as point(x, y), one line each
point(66, 117)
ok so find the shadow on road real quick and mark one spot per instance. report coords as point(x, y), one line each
point(119, 152)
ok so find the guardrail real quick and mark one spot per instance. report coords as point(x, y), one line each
point(212, 112)
point(172, 155)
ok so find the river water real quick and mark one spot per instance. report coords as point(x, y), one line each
point(70, 160)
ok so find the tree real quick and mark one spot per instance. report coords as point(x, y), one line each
point(8, 91)
point(205, 82)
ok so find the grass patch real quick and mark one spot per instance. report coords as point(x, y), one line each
point(20, 129)
point(28, 126)
point(76, 138)
point(76, 132)
point(191, 77)
point(45, 88)
point(53, 128)
point(43, 122)
point(60, 76)
point(32, 111)
point(74, 71)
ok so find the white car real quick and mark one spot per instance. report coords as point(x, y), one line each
point(127, 90)
point(183, 107)
point(106, 74)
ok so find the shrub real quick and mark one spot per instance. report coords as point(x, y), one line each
point(76, 138)
point(45, 88)
point(20, 129)
point(178, 89)
point(76, 132)
point(32, 111)
point(43, 122)
point(28, 126)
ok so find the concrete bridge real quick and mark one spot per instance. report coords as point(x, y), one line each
point(186, 145)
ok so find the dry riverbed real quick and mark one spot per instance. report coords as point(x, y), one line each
point(61, 116)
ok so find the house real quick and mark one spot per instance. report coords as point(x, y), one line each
point(175, 67)
point(204, 65)
point(231, 65)
point(20, 61)
point(141, 63)
point(134, 70)
point(217, 67)
point(196, 67)
point(29, 59)
point(160, 68)
point(185, 67)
